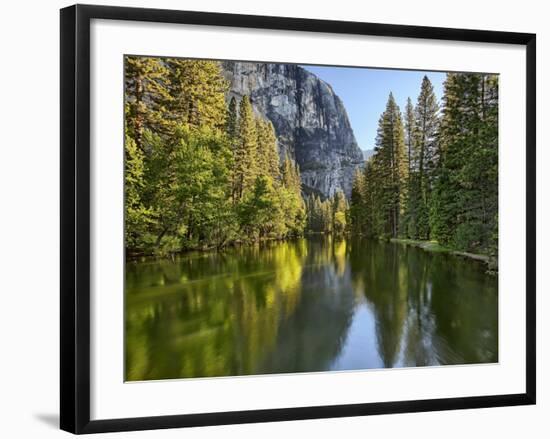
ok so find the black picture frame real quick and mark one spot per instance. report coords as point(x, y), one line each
point(75, 217)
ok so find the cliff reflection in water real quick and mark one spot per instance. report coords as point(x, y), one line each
point(304, 306)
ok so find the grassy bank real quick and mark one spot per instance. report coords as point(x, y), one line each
point(435, 247)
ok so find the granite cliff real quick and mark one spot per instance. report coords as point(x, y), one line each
point(310, 120)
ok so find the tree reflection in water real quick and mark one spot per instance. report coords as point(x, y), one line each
point(303, 306)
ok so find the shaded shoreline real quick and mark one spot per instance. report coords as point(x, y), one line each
point(134, 256)
point(429, 246)
point(435, 247)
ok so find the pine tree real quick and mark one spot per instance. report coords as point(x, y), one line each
point(410, 132)
point(198, 92)
point(339, 212)
point(291, 197)
point(146, 94)
point(427, 125)
point(263, 146)
point(372, 212)
point(426, 158)
point(464, 211)
point(245, 154)
point(358, 209)
point(391, 167)
point(453, 178)
point(290, 175)
point(272, 155)
point(232, 120)
point(326, 216)
point(412, 201)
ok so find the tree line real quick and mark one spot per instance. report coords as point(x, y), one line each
point(329, 215)
point(200, 172)
point(434, 174)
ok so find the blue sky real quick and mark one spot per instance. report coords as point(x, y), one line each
point(365, 91)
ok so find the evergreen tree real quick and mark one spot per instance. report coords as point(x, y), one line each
point(272, 154)
point(339, 212)
point(232, 120)
point(426, 158)
point(197, 89)
point(391, 168)
point(245, 162)
point(412, 200)
point(262, 212)
point(452, 176)
point(291, 197)
point(358, 209)
point(410, 134)
point(261, 146)
point(326, 216)
point(317, 224)
point(370, 226)
point(464, 211)
point(146, 93)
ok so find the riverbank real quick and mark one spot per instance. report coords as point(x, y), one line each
point(132, 255)
point(435, 247)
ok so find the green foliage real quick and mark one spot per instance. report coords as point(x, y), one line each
point(261, 212)
point(232, 120)
point(246, 156)
point(146, 93)
point(197, 93)
point(268, 155)
point(442, 209)
point(189, 180)
point(424, 150)
point(137, 215)
point(450, 190)
point(358, 209)
point(198, 173)
point(328, 216)
point(291, 198)
point(410, 133)
point(468, 236)
point(339, 223)
point(339, 213)
point(201, 173)
point(468, 189)
point(382, 190)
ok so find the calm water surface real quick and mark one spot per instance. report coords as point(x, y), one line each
point(308, 305)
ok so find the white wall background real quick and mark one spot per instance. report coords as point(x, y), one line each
point(29, 206)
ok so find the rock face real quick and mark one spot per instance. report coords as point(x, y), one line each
point(310, 120)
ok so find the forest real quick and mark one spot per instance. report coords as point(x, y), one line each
point(200, 173)
point(434, 174)
point(203, 171)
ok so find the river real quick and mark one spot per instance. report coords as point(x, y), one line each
point(315, 304)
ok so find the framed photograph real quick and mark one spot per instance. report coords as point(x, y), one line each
point(268, 218)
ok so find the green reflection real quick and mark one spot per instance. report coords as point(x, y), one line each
point(304, 306)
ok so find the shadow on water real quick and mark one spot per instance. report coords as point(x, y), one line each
point(307, 305)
